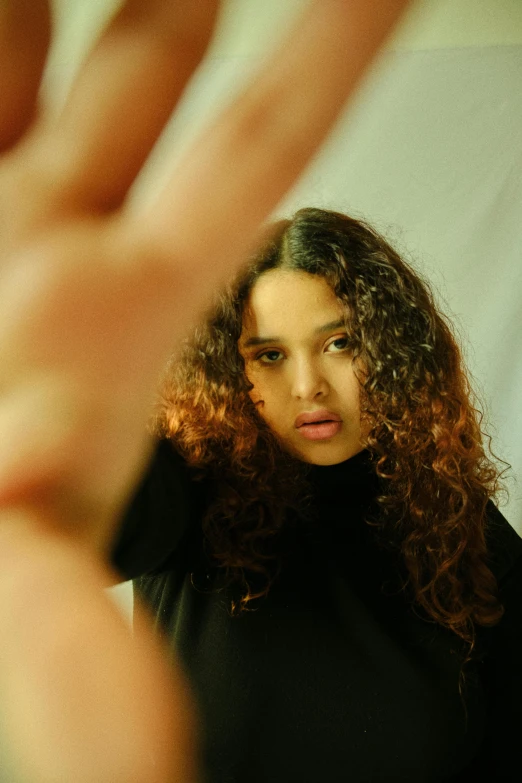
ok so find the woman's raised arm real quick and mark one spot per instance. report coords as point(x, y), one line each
point(94, 295)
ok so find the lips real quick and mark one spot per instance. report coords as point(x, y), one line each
point(314, 417)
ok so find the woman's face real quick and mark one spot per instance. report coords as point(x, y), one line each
point(297, 357)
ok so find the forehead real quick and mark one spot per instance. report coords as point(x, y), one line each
point(284, 301)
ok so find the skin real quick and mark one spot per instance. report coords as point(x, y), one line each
point(301, 362)
point(94, 294)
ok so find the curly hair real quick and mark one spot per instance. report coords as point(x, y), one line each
point(424, 438)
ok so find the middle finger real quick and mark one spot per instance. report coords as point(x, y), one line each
point(133, 78)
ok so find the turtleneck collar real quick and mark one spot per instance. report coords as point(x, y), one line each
point(354, 472)
point(347, 489)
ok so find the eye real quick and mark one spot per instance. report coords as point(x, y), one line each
point(269, 357)
point(338, 345)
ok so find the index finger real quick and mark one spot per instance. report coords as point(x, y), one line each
point(125, 93)
point(24, 39)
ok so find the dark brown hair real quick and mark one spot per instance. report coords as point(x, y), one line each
point(425, 437)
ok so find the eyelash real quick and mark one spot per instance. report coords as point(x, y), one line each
point(260, 356)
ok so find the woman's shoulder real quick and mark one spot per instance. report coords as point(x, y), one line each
point(158, 513)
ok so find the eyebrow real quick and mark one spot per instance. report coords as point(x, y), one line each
point(329, 327)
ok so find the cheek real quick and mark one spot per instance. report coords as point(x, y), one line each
point(346, 384)
point(256, 392)
point(255, 395)
point(260, 392)
point(266, 395)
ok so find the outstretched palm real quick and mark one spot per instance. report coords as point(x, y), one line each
point(94, 296)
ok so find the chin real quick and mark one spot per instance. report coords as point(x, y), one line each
point(330, 456)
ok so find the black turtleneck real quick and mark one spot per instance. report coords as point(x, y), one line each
point(334, 677)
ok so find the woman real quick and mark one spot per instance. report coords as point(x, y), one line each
point(316, 534)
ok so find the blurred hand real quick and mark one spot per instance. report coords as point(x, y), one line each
point(94, 297)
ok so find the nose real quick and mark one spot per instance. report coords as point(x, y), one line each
point(309, 381)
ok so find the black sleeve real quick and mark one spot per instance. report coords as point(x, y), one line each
point(500, 757)
point(157, 516)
